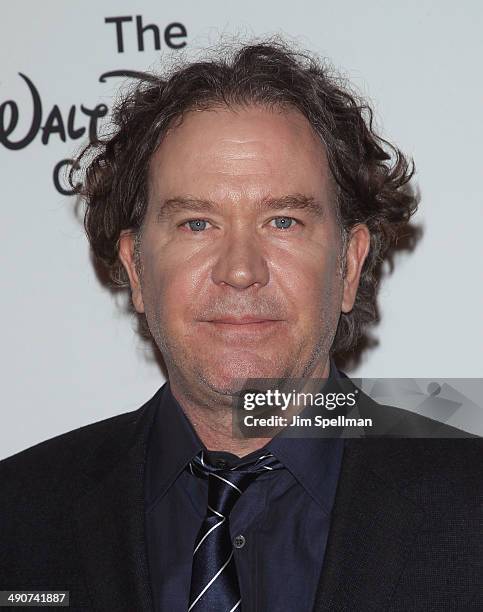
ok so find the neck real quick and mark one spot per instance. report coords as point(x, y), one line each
point(212, 419)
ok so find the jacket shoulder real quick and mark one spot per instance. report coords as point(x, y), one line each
point(60, 461)
point(41, 488)
point(428, 470)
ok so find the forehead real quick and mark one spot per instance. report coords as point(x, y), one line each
point(240, 152)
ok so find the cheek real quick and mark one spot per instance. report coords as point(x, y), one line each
point(312, 282)
point(321, 300)
point(170, 291)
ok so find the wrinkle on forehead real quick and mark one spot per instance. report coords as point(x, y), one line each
point(248, 152)
point(238, 132)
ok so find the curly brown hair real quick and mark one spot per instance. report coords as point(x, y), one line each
point(369, 173)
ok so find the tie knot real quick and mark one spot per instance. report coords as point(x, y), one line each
point(225, 485)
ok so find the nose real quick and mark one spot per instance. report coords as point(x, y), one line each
point(240, 262)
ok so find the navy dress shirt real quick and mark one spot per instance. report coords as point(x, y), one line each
point(284, 516)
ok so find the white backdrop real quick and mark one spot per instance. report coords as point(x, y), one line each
point(70, 356)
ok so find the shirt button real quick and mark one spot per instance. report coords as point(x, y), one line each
point(221, 463)
point(239, 541)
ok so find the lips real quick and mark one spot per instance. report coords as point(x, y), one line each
point(244, 320)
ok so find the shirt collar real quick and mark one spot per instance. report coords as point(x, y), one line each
point(314, 462)
point(173, 443)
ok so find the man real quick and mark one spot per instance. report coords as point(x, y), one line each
point(247, 202)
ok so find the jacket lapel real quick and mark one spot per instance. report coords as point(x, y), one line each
point(108, 520)
point(372, 530)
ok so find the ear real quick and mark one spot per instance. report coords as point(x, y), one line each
point(126, 255)
point(357, 250)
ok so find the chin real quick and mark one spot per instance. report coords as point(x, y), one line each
point(229, 376)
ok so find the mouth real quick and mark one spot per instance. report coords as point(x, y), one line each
point(245, 324)
point(244, 320)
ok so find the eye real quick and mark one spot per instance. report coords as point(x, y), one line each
point(195, 225)
point(284, 222)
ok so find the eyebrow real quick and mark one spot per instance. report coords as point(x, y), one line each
point(289, 202)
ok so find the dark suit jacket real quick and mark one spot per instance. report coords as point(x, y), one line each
point(406, 531)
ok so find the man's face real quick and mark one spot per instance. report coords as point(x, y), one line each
point(241, 250)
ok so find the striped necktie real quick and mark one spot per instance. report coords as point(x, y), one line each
point(214, 581)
